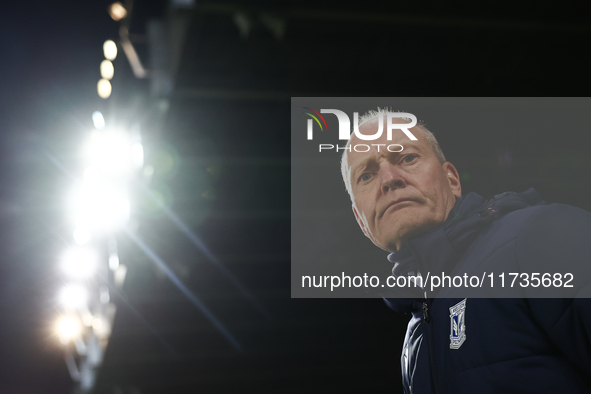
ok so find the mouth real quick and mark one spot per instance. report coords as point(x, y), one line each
point(394, 205)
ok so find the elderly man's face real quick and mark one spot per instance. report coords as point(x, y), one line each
point(400, 195)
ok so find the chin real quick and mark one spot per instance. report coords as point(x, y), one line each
point(401, 237)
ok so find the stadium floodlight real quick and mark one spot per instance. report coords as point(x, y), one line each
point(113, 261)
point(114, 152)
point(73, 296)
point(98, 120)
point(100, 208)
point(110, 50)
point(138, 154)
point(91, 174)
point(107, 69)
point(117, 11)
point(81, 234)
point(101, 327)
point(103, 88)
point(79, 262)
point(68, 327)
point(87, 318)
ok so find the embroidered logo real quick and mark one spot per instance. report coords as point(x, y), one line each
point(458, 324)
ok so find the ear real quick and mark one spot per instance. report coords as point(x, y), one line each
point(360, 221)
point(453, 178)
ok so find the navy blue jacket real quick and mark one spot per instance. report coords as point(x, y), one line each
point(499, 345)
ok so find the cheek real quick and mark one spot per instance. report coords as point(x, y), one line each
point(365, 204)
point(436, 188)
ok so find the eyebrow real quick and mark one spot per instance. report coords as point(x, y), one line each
point(361, 165)
point(365, 162)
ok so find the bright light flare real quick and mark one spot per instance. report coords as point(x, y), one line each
point(100, 208)
point(104, 296)
point(81, 234)
point(117, 11)
point(87, 318)
point(98, 120)
point(79, 262)
point(113, 152)
point(73, 296)
point(103, 88)
point(110, 50)
point(101, 327)
point(138, 155)
point(68, 327)
point(91, 174)
point(113, 261)
point(107, 69)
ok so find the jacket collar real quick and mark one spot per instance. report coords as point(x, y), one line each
point(440, 249)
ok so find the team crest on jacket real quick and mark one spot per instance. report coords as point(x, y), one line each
point(458, 324)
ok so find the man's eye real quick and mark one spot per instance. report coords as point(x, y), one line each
point(409, 158)
point(365, 177)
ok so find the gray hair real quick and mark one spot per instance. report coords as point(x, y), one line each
point(370, 115)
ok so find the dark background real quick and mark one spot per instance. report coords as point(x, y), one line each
point(229, 112)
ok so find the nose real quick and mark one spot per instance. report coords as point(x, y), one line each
point(391, 178)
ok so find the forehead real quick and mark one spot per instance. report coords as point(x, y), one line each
point(371, 127)
point(362, 149)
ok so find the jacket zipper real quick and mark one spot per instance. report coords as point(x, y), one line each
point(432, 362)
